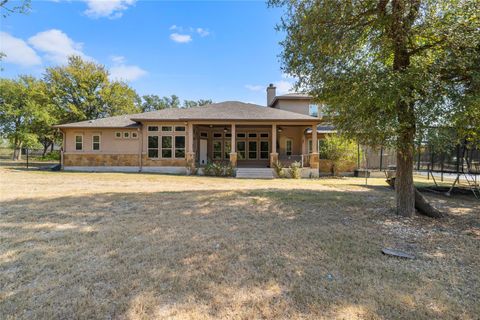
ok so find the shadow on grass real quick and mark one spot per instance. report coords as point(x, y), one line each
point(248, 254)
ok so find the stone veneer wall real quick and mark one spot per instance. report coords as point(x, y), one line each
point(163, 162)
point(99, 160)
point(345, 166)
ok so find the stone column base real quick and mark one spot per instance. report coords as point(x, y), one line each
point(233, 159)
point(314, 161)
point(273, 159)
point(191, 162)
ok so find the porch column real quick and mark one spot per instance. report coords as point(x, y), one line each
point(274, 154)
point(190, 152)
point(314, 159)
point(233, 150)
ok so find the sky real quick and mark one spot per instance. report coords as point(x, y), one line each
point(219, 50)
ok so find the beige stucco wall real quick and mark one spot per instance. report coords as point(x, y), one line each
point(109, 144)
point(298, 106)
point(296, 135)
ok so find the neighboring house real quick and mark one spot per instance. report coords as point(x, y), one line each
point(172, 140)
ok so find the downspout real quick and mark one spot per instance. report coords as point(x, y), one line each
point(140, 160)
point(63, 149)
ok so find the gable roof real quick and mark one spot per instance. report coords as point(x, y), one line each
point(228, 110)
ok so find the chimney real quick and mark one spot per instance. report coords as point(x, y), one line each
point(271, 93)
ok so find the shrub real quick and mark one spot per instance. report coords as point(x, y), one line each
point(337, 149)
point(296, 170)
point(218, 169)
point(278, 167)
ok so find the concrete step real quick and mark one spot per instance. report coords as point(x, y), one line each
point(255, 173)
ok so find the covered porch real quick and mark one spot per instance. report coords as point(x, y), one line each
point(251, 145)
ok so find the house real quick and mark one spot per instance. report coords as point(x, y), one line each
point(174, 140)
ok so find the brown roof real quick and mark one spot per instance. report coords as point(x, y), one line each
point(228, 110)
point(122, 121)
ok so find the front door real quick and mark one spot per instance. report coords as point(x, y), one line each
point(203, 151)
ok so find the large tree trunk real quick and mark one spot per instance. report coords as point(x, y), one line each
point(404, 187)
point(17, 150)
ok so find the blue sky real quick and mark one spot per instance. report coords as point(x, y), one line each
point(197, 50)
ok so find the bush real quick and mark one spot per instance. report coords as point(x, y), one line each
point(338, 150)
point(296, 170)
point(51, 156)
point(218, 169)
point(278, 167)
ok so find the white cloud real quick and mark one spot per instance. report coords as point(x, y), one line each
point(122, 72)
point(174, 27)
point(252, 87)
point(181, 38)
point(202, 32)
point(17, 51)
point(283, 86)
point(56, 46)
point(111, 9)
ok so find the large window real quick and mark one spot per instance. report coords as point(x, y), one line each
point(167, 146)
point(180, 147)
point(227, 148)
point(313, 110)
point(264, 150)
point(96, 142)
point(288, 147)
point(153, 147)
point(79, 142)
point(252, 149)
point(241, 152)
point(217, 149)
point(319, 144)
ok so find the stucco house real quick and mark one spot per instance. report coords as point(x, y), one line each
point(174, 140)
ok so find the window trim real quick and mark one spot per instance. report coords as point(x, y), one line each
point(157, 148)
point(117, 133)
point(248, 149)
point(131, 135)
point(126, 134)
point(161, 148)
point(312, 114)
point(162, 129)
point(184, 129)
point(203, 135)
point(81, 136)
point(152, 127)
point(221, 149)
point(174, 146)
point(99, 141)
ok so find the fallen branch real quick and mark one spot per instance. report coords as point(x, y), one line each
point(421, 204)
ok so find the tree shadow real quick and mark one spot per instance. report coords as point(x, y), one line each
point(225, 254)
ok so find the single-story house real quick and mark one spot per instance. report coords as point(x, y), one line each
point(174, 140)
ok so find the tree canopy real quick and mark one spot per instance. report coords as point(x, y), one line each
point(387, 67)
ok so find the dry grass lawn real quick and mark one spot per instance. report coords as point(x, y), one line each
point(141, 246)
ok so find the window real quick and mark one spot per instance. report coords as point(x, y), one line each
point(252, 135)
point(166, 147)
point(180, 147)
point(313, 110)
point(118, 135)
point(227, 149)
point(96, 142)
point(217, 150)
point(217, 135)
point(152, 128)
point(153, 147)
point(180, 129)
point(264, 149)
point(79, 142)
point(126, 134)
point(309, 146)
point(252, 149)
point(228, 135)
point(263, 135)
point(203, 134)
point(241, 150)
point(288, 147)
point(134, 135)
point(241, 135)
point(166, 128)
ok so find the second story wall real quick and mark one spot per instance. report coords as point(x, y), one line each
point(298, 106)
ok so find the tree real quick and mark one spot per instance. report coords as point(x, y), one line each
point(385, 66)
point(337, 149)
point(154, 102)
point(151, 102)
point(7, 8)
point(193, 103)
point(81, 90)
point(24, 108)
